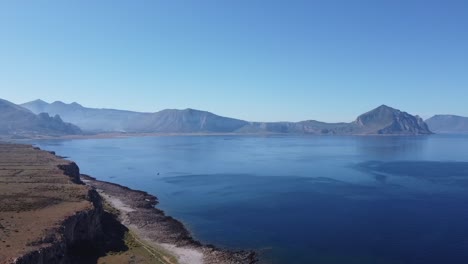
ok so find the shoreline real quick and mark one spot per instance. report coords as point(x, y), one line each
point(7, 138)
point(138, 213)
point(22, 139)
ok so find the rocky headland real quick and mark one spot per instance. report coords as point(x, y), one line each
point(46, 212)
point(49, 213)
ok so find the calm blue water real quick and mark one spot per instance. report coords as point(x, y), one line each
point(301, 199)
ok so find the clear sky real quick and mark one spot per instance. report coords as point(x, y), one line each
point(256, 60)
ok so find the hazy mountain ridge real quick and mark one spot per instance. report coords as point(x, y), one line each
point(302, 127)
point(448, 124)
point(113, 120)
point(184, 121)
point(20, 122)
point(89, 119)
point(380, 121)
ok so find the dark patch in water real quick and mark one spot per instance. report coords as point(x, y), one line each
point(455, 173)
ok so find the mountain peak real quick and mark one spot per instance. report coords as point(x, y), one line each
point(385, 108)
point(75, 104)
point(191, 110)
point(7, 106)
point(382, 114)
point(387, 120)
point(38, 101)
point(61, 104)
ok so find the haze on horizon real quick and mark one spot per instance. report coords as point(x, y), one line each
point(295, 60)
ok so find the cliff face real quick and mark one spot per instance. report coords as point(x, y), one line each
point(71, 170)
point(79, 232)
point(47, 215)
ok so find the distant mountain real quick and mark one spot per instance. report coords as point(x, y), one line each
point(383, 120)
point(20, 122)
point(448, 124)
point(112, 120)
point(184, 121)
point(303, 127)
point(88, 119)
point(387, 120)
point(380, 121)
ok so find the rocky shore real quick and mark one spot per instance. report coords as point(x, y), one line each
point(49, 213)
point(139, 214)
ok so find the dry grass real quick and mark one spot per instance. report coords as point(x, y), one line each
point(35, 198)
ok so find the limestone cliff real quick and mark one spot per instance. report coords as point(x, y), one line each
point(78, 233)
point(46, 214)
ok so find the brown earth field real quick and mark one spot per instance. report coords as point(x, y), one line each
point(48, 214)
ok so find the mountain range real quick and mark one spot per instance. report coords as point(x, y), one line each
point(88, 119)
point(19, 122)
point(380, 121)
point(37, 118)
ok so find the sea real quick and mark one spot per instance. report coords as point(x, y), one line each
point(300, 199)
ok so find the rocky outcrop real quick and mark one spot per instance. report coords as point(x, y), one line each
point(71, 169)
point(385, 120)
point(51, 254)
point(78, 233)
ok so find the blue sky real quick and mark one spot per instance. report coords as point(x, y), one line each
point(256, 60)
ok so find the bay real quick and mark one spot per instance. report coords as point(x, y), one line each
point(304, 199)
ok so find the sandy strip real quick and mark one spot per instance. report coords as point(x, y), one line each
point(116, 203)
point(184, 255)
